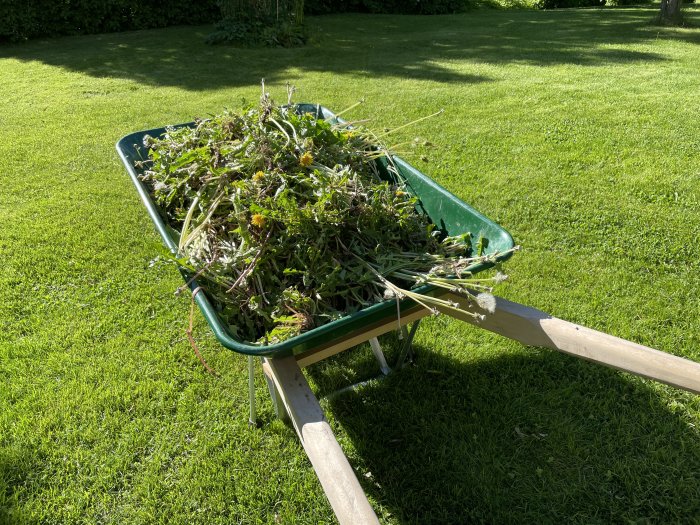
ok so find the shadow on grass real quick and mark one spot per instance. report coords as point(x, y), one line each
point(11, 477)
point(532, 438)
point(412, 47)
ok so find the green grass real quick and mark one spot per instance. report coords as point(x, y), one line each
point(577, 130)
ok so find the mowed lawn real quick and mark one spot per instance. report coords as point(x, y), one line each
point(577, 130)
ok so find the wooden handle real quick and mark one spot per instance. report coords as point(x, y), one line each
point(337, 478)
point(535, 328)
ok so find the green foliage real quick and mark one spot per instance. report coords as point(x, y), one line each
point(41, 18)
point(284, 34)
point(422, 7)
point(627, 2)
point(556, 4)
point(289, 223)
point(253, 23)
point(323, 7)
point(257, 32)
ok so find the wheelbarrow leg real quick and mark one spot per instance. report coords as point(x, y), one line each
point(406, 351)
point(407, 347)
point(379, 356)
point(337, 477)
point(252, 419)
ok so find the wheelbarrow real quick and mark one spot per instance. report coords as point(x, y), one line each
point(282, 362)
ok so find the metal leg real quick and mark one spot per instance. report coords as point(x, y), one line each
point(252, 420)
point(406, 354)
point(407, 347)
point(379, 355)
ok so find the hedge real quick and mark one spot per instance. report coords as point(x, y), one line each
point(39, 18)
point(419, 7)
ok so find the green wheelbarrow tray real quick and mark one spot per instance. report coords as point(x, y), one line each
point(446, 211)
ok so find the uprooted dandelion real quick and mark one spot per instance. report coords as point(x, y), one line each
point(290, 221)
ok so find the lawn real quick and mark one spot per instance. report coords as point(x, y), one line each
point(577, 130)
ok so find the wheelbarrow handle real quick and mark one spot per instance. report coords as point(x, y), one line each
point(536, 328)
point(337, 477)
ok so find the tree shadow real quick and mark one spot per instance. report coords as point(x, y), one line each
point(12, 476)
point(519, 438)
point(179, 57)
point(397, 47)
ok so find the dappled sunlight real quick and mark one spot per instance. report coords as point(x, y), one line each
point(406, 47)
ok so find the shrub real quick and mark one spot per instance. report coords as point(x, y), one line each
point(628, 2)
point(253, 22)
point(37, 18)
point(324, 7)
point(258, 32)
point(423, 7)
point(554, 4)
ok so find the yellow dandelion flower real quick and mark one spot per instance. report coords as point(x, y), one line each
point(258, 176)
point(306, 159)
point(258, 220)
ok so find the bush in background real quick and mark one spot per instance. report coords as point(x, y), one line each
point(260, 22)
point(267, 22)
point(554, 4)
point(260, 32)
point(26, 19)
point(247, 22)
point(628, 2)
point(418, 7)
